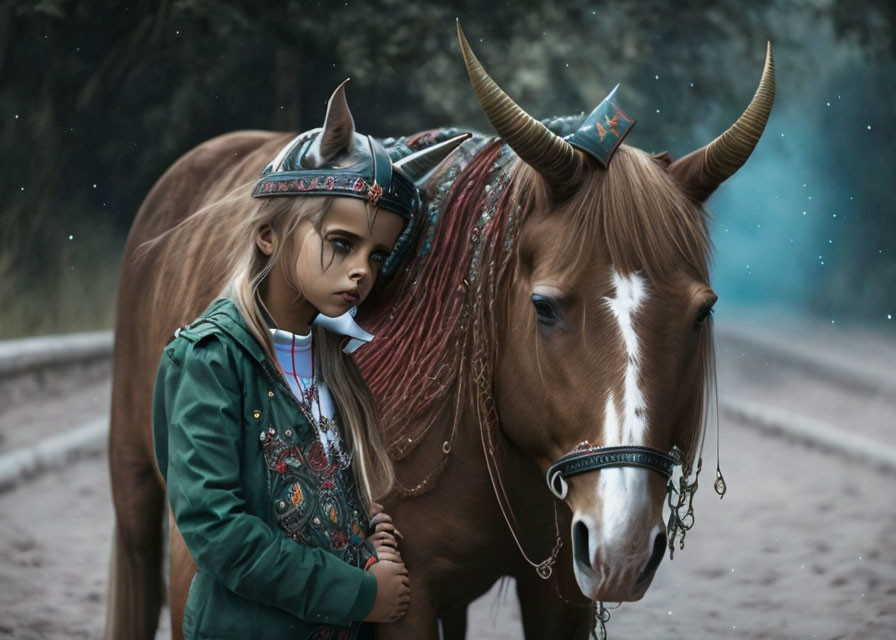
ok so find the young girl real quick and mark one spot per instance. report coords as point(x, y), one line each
point(263, 427)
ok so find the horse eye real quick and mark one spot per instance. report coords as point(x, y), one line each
point(547, 314)
point(704, 312)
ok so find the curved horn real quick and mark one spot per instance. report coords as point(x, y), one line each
point(703, 170)
point(419, 163)
point(549, 154)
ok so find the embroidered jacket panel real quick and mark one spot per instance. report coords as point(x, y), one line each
point(276, 528)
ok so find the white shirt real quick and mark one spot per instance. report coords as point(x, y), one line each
point(294, 355)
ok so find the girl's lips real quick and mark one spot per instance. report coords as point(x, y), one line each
point(350, 296)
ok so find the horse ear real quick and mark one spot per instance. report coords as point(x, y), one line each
point(338, 130)
point(663, 159)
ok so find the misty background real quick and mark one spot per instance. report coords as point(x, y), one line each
point(97, 100)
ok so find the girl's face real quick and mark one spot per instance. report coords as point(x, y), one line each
point(336, 268)
point(333, 270)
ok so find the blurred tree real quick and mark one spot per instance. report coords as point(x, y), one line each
point(98, 99)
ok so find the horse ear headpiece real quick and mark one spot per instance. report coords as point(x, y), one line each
point(603, 130)
point(336, 161)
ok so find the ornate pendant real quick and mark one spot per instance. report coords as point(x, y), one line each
point(719, 485)
point(309, 395)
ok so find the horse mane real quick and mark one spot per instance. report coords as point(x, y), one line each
point(419, 322)
point(436, 322)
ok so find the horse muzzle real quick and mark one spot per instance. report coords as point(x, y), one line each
point(615, 573)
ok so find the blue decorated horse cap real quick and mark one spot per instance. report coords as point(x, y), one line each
point(369, 176)
point(603, 130)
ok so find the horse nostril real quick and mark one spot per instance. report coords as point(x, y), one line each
point(580, 543)
point(659, 550)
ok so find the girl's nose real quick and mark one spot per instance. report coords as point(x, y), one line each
point(358, 271)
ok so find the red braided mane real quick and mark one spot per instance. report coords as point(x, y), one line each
point(421, 318)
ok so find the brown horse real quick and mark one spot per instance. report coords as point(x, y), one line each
point(547, 301)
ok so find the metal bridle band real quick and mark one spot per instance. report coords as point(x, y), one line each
point(594, 458)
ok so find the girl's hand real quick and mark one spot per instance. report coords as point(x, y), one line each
point(393, 591)
point(383, 532)
point(388, 554)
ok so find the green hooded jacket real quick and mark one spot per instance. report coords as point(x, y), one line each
point(276, 529)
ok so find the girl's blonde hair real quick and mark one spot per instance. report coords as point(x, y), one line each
point(230, 226)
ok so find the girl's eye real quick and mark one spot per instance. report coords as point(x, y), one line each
point(341, 245)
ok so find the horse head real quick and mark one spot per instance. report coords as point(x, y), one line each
point(606, 322)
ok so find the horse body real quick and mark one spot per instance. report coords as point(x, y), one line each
point(530, 319)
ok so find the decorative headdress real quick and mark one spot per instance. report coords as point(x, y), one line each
point(603, 130)
point(336, 161)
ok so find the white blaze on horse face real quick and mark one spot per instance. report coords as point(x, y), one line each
point(630, 294)
point(615, 539)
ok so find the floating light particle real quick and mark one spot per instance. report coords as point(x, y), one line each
point(804, 213)
point(94, 186)
point(889, 316)
point(17, 116)
point(692, 84)
point(656, 77)
point(869, 127)
point(71, 237)
point(657, 110)
point(829, 104)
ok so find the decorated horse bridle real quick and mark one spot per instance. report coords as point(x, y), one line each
point(587, 457)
